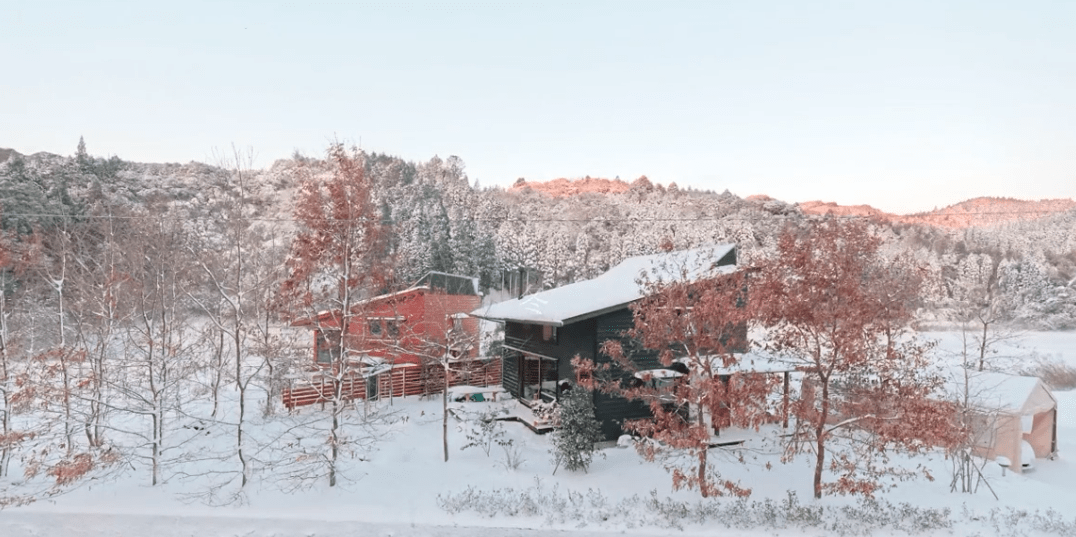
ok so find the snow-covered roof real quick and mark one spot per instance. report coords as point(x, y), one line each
point(620, 286)
point(453, 284)
point(752, 361)
point(756, 361)
point(450, 283)
point(1009, 394)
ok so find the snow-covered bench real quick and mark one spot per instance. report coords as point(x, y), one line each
point(475, 393)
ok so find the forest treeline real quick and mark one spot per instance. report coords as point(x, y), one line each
point(523, 240)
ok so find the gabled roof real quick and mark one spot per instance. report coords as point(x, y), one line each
point(618, 287)
point(451, 284)
point(999, 392)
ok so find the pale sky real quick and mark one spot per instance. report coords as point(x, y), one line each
point(903, 105)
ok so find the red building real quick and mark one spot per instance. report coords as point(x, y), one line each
point(396, 343)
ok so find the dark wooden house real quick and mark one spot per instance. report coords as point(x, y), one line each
point(544, 331)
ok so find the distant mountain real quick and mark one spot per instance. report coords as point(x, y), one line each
point(975, 212)
point(828, 207)
point(562, 187)
point(982, 211)
point(7, 153)
point(986, 211)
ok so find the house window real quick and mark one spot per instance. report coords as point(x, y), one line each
point(549, 334)
point(663, 379)
point(327, 346)
point(393, 328)
point(457, 324)
point(533, 333)
point(375, 327)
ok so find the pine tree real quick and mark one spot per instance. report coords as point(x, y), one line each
point(82, 158)
point(574, 439)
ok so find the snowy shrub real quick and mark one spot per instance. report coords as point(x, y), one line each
point(1052, 522)
point(1057, 374)
point(513, 455)
point(581, 510)
point(69, 470)
point(576, 433)
point(486, 430)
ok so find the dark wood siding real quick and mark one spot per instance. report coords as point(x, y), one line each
point(614, 325)
point(613, 411)
point(583, 338)
point(510, 372)
point(576, 338)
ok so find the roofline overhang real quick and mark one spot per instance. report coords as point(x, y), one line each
point(511, 320)
point(598, 312)
point(532, 353)
point(561, 322)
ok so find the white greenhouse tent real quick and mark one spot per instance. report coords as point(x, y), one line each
point(1008, 410)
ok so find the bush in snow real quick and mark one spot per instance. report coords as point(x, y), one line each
point(513, 455)
point(1054, 372)
point(576, 432)
point(866, 517)
point(486, 430)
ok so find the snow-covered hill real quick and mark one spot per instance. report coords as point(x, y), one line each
point(538, 235)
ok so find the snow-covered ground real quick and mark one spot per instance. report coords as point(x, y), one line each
point(396, 490)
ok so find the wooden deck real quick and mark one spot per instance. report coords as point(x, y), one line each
point(400, 380)
point(519, 412)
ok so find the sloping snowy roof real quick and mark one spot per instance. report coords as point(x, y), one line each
point(756, 361)
point(1009, 394)
point(614, 289)
point(452, 284)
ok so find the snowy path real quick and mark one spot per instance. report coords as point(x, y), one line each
point(30, 524)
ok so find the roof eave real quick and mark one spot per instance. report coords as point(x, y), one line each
point(557, 322)
point(512, 320)
point(597, 312)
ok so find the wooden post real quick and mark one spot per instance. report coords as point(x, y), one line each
point(1053, 439)
point(556, 384)
point(540, 379)
point(785, 402)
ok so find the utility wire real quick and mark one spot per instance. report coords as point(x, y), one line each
point(513, 219)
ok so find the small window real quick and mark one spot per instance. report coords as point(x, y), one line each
point(375, 327)
point(457, 323)
point(549, 334)
point(538, 333)
point(328, 346)
point(393, 328)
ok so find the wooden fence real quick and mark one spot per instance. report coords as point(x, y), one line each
point(403, 379)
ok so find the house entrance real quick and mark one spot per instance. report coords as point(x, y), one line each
point(539, 377)
point(371, 387)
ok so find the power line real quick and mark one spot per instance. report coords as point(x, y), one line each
point(189, 218)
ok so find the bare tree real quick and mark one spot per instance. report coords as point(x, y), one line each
point(973, 422)
point(226, 272)
point(99, 306)
point(157, 348)
point(15, 258)
point(448, 351)
point(336, 258)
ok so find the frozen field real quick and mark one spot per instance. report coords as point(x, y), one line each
point(395, 491)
